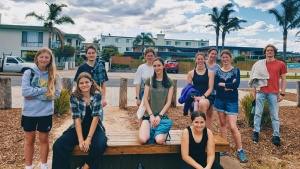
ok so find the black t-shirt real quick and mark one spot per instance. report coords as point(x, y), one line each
point(86, 68)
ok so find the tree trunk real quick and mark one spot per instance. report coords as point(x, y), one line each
point(223, 41)
point(5, 93)
point(284, 45)
point(123, 93)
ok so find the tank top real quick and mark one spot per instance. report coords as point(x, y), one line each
point(201, 82)
point(87, 121)
point(197, 150)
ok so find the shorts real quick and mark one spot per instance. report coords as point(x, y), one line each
point(41, 124)
point(227, 108)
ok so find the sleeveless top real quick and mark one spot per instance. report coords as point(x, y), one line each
point(197, 150)
point(201, 82)
point(87, 121)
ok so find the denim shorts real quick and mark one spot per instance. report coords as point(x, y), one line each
point(227, 108)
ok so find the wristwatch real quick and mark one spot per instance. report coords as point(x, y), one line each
point(160, 115)
point(282, 94)
point(137, 98)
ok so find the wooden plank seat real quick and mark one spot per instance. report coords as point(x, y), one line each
point(124, 145)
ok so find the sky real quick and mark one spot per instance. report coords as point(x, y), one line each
point(177, 19)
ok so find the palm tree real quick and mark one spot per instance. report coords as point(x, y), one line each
point(143, 39)
point(53, 18)
point(288, 18)
point(232, 24)
point(216, 18)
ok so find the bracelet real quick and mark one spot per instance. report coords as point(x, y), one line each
point(150, 114)
point(89, 136)
point(204, 96)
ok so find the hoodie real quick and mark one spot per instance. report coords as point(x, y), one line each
point(39, 105)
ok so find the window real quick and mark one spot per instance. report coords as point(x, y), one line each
point(188, 44)
point(32, 39)
point(168, 42)
point(201, 43)
point(118, 40)
point(128, 40)
point(69, 41)
point(177, 43)
point(128, 49)
point(11, 60)
point(104, 39)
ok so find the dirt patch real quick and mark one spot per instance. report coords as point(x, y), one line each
point(261, 154)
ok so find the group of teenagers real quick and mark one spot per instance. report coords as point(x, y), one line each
point(214, 88)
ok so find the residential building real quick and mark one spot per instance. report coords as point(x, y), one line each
point(18, 39)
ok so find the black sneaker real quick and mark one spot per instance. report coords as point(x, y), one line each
point(255, 136)
point(276, 140)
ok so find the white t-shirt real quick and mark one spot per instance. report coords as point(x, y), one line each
point(143, 72)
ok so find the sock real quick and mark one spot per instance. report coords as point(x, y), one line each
point(28, 167)
point(240, 150)
point(44, 166)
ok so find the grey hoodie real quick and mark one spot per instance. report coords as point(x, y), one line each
point(39, 105)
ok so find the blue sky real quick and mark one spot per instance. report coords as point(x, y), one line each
point(178, 19)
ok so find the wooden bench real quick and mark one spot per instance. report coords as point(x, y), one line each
point(125, 152)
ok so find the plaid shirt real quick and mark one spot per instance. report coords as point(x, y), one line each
point(78, 107)
point(99, 72)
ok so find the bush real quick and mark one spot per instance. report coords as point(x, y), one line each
point(62, 104)
point(185, 60)
point(29, 56)
point(119, 66)
point(246, 104)
point(239, 58)
point(68, 52)
point(79, 60)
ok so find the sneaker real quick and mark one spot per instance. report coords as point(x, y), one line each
point(242, 156)
point(255, 136)
point(223, 153)
point(276, 140)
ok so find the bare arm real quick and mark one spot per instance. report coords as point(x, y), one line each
point(93, 127)
point(283, 87)
point(137, 94)
point(210, 149)
point(185, 150)
point(189, 78)
point(77, 122)
point(104, 102)
point(147, 105)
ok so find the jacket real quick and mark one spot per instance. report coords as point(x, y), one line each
point(259, 75)
point(186, 98)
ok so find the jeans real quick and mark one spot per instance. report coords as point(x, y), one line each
point(274, 109)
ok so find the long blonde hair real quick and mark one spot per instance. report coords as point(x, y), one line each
point(51, 70)
point(77, 93)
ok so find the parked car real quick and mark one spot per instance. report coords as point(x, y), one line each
point(171, 66)
point(14, 64)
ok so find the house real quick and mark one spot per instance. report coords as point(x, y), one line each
point(19, 39)
point(172, 49)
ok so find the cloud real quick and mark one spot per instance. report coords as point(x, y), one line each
point(257, 28)
point(263, 5)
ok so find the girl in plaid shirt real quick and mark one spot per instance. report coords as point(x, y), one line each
point(87, 129)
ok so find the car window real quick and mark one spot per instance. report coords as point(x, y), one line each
point(11, 60)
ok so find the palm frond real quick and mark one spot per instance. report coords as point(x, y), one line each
point(64, 19)
point(33, 14)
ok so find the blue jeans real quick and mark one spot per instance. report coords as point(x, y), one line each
point(274, 109)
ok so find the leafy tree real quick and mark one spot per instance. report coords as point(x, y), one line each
point(68, 52)
point(288, 18)
point(228, 23)
point(216, 18)
point(108, 51)
point(96, 40)
point(52, 19)
point(143, 39)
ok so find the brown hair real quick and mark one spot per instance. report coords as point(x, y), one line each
point(150, 49)
point(226, 51)
point(50, 93)
point(90, 46)
point(199, 54)
point(77, 93)
point(212, 49)
point(272, 46)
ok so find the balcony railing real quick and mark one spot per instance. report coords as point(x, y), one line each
point(32, 44)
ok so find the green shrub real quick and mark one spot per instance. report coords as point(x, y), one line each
point(119, 66)
point(186, 60)
point(246, 105)
point(239, 58)
point(79, 60)
point(29, 56)
point(62, 104)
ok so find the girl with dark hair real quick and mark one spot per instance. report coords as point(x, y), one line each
point(40, 86)
point(197, 145)
point(87, 129)
point(157, 100)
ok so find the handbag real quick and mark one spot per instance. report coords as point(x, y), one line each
point(140, 112)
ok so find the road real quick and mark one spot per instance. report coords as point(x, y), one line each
point(115, 82)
